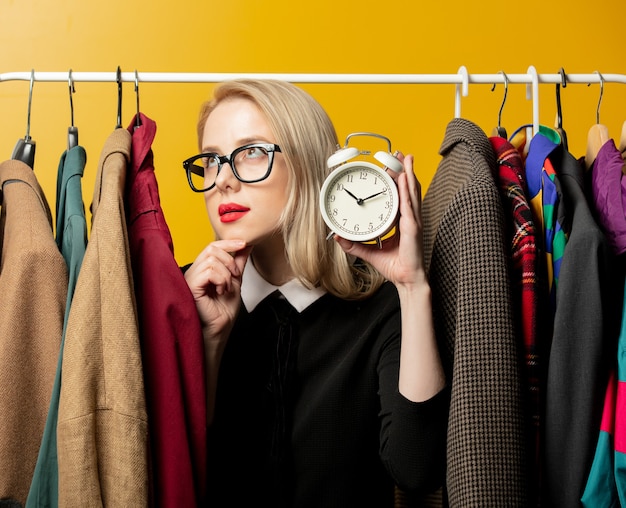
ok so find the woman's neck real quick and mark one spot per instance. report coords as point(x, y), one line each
point(270, 261)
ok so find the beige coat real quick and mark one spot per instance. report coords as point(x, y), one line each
point(102, 427)
point(33, 289)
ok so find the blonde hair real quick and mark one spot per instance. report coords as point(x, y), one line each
point(307, 138)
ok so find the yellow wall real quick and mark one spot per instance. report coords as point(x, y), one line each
point(286, 36)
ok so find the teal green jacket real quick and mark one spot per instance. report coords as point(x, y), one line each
point(71, 237)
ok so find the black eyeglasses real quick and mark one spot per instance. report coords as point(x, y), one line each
point(250, 164)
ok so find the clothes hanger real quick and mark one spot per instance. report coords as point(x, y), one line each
point(25, 148)
point(461, 89)
point(118, 78)
point(532, 93)
point(622, 141)
point(500, 131)
point(598, 133)
point(559, 111)
point(137, 117)
point(72, 131)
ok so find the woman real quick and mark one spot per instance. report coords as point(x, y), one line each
point(324, 378)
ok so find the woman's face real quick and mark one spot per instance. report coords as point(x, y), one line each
point(237, 210)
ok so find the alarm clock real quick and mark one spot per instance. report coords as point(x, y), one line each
point(359, 199)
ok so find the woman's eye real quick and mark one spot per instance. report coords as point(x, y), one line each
point(255, 152)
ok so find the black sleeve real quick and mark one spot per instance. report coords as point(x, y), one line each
point(412, 434)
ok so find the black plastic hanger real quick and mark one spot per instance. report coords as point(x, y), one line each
point(25, 148)
point(500, 131)
point(137, 117)
point(119, 97)
point(559, 111)
point(72, 131)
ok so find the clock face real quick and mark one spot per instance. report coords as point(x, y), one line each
point(359, 201)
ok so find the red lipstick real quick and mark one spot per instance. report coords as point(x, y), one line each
point(230, 212)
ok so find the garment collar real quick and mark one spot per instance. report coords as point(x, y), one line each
point(254, 289)
point(460, 130)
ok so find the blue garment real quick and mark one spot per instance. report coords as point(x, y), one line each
point(71, 238)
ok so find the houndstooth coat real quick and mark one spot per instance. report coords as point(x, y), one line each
point(468, 266)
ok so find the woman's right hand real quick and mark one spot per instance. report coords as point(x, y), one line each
point(214, 279)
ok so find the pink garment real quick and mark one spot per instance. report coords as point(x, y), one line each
point(171, 339)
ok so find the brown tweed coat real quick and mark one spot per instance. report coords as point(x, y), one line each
point(467, 261)
point(33, 285)
point(102, 423)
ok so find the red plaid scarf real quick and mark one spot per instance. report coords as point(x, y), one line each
point(522, 233)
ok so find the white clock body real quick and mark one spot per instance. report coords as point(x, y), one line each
point(359, 201)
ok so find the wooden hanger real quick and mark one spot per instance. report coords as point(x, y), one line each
point(622, 146)
point(622, 141)
point(598, 133)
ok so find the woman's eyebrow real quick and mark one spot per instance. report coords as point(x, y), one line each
point(240, 142)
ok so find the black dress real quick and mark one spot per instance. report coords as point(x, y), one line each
point(308, 412)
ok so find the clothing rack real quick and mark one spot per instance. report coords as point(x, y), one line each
point(461, 79)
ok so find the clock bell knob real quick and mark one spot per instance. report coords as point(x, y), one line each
point(389, 160)
point(342, 155)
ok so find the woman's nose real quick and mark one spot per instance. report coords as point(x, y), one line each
point(226, 177)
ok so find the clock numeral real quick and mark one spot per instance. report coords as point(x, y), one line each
point(358, 193)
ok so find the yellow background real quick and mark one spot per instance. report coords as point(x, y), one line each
point(287, 36)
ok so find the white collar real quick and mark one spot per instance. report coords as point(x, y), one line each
point(255, 288)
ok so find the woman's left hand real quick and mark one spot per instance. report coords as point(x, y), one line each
point(401, 258)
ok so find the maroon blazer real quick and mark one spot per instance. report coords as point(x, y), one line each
point(171, 338)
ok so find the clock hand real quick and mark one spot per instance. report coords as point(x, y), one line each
point(372, 196)
point(359, 201)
